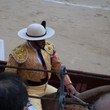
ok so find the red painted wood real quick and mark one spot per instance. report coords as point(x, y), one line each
point(80, 83)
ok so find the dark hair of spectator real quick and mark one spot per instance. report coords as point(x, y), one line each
point(13, 93)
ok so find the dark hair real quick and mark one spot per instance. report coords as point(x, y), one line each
point(13, 93)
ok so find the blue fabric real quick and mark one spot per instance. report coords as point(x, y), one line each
point(32, 107)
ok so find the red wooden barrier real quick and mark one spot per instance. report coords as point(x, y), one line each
point(81, 83)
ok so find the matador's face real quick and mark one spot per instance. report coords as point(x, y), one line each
point(40, 44)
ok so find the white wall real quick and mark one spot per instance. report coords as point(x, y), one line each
point(2, 57)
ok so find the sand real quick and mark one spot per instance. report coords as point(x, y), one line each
point(82, 28)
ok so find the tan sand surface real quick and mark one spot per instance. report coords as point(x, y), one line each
point(82, 28)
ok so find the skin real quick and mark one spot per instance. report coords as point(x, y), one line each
point(71, 89)
point(41, 44)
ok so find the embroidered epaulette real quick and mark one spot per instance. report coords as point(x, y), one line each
point(49, 47)
point(20, 54)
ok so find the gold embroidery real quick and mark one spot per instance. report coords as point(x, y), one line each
point(49, 47)
point(20, 54)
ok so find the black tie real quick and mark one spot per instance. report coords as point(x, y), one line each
point(41, 57)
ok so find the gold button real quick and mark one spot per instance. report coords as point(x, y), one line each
point(49, 48)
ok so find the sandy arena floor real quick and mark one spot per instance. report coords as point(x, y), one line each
point(82, 28)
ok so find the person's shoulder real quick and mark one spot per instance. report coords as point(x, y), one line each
point(49, 47)
point(20, 53)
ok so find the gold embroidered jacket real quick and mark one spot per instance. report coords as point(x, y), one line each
point(25, 56)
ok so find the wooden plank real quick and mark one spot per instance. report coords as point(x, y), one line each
point(79, 82)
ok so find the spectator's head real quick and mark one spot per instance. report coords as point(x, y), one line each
point(103, 103)
point(13, 93)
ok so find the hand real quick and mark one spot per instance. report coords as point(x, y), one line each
point(70, 89)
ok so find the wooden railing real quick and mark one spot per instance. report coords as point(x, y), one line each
point(81, 83)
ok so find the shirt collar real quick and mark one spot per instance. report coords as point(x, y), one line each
point(31, 46)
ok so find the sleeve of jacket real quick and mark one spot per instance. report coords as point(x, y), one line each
point(56, 66)
point(11, 62)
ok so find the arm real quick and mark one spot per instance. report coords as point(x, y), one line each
point(56, 65)
point(11, 62)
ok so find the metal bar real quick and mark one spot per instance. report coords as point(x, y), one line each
point(107, 78)
point(62, 95)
